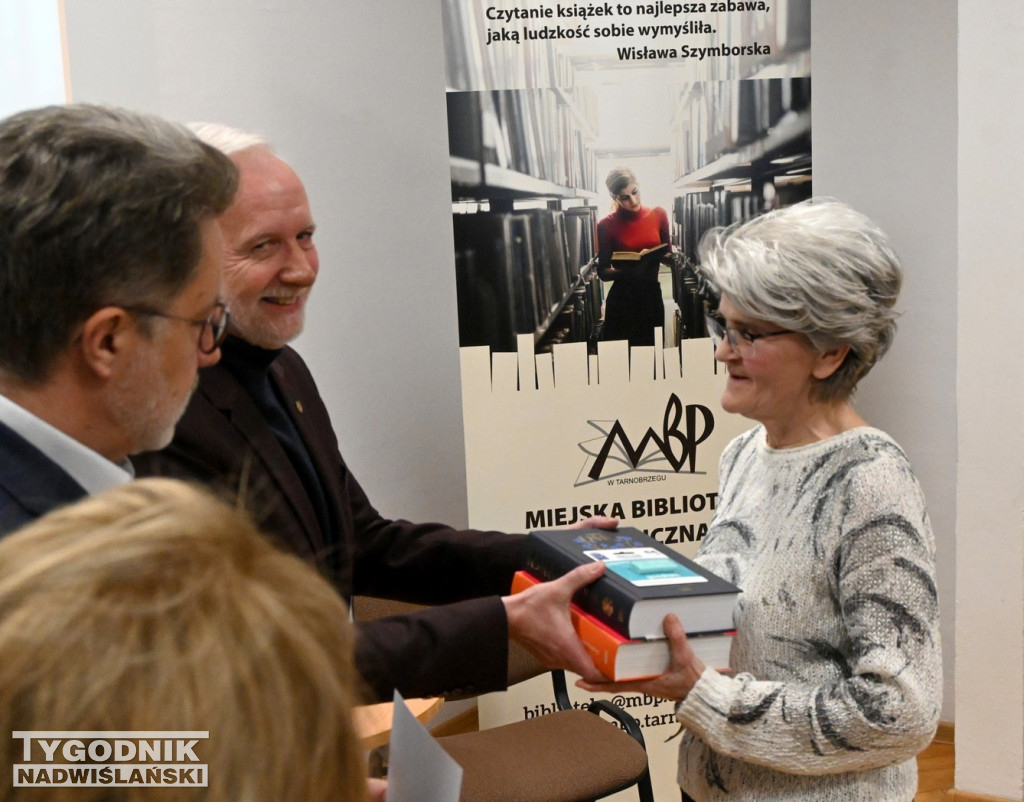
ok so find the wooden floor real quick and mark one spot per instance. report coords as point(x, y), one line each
point(935, 773)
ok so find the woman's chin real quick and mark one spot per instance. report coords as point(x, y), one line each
point(733, 403)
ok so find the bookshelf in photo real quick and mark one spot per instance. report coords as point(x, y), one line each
point(740, 148)
point(524, 166)
point(522, 178)
point(741, 142)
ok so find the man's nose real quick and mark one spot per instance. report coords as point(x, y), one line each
point(301, 267)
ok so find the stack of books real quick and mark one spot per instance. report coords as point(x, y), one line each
point(620, 617)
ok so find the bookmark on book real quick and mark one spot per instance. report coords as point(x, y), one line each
point(418, 768)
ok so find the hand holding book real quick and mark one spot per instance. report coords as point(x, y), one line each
point(539, 620)
point(684, 669)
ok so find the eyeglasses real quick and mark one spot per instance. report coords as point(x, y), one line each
point(212, 329)
point(742, 342)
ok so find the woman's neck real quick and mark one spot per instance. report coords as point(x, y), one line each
point(820, 422)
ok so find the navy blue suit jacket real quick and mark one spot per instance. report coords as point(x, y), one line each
point(31, 484)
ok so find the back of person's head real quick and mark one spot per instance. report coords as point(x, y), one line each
point(99, 206)
point(155, 607)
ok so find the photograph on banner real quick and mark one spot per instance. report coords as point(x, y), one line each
point(579, 130)
point(592, 145)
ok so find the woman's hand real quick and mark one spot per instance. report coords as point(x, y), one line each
point(684, 669)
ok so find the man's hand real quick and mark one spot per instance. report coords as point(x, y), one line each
point(683, 671)
point(596, 522)
point(538, 618)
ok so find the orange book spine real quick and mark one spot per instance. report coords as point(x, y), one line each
point(601, 641)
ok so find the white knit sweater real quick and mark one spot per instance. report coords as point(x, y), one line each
point(837, 668)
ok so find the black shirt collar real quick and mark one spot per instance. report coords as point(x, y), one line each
point(247, 362)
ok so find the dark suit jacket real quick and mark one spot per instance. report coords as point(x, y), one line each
point(223, 439)
point(31, 484)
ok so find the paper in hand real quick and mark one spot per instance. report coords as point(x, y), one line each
point(418, 768)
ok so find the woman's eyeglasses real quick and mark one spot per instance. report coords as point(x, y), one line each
point(742, 342)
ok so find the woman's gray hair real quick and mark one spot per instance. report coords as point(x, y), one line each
point(818, 267)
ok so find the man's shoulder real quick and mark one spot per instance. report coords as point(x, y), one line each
point(19, 457)
point(31, 484)
point(290, 361)
point(13, 514)
point(295, 381)
point(221, 403)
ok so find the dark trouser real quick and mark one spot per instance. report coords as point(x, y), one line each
point(632, 310)
point(686, 797)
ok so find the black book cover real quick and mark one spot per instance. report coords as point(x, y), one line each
point(644, 580)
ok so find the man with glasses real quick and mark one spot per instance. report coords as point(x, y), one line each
point(110, 281)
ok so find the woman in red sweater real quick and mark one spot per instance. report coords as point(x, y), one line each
point(634, 305)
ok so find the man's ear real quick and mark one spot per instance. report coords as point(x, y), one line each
point(828, 361)
point(107, 337)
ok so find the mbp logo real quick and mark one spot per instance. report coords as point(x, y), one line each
point(683, 428)
point(102, 758)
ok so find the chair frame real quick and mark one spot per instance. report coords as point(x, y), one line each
point(624, 720)
point(523, 666)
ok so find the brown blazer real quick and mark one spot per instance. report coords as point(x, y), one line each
point(460, 647)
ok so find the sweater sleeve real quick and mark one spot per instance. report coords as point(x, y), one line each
point(883, 707)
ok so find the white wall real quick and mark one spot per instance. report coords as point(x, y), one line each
point(990, 400)
point(31, 62)
point(352, 94)
point(884, 140)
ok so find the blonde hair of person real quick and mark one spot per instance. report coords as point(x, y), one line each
point(156, 607)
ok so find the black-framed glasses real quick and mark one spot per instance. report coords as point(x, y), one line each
point(212, 329)
point(742, 342)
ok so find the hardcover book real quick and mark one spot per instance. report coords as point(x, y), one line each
point(643, 582)
point(637, 256)
point(622, 659)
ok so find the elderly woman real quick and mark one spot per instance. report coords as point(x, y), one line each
point(836, 670)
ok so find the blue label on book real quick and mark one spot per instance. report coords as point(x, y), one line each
point(644, 567)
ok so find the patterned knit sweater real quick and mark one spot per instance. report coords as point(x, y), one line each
point(836, 661)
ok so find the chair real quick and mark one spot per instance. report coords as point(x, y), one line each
point(568, 756)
